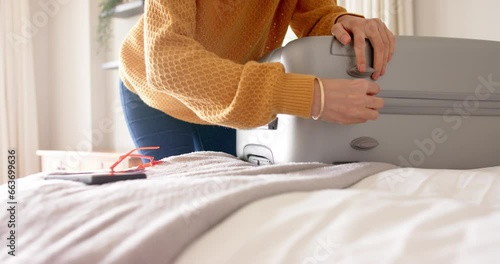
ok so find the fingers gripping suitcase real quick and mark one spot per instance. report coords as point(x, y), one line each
point(442, 107)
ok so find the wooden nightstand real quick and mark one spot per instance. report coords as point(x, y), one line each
point(51, 160)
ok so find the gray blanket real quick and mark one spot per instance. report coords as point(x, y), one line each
point(153, 220)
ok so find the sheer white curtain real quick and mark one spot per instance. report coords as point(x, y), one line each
point(18, 112)
point(396, 14)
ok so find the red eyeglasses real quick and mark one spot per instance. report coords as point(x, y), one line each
point(151, 159)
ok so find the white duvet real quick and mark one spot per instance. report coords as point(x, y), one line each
point(213, 208)
point(152, 220)
point(397, 216)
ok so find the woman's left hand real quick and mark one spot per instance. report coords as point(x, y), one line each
point(376, 31)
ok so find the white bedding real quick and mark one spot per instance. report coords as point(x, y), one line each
point(396, 216)
point(189, 206)
point(153, 220)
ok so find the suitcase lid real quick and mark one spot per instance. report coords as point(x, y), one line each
point(425, 72)
point(443, 68)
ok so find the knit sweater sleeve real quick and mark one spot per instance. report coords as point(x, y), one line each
point(316, 17)
point(163, 63)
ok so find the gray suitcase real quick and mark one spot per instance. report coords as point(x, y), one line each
point(442, 107)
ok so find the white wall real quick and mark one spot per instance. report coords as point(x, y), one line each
point(62, 72)
point(478, 19)
point(42, 79)
point(78, 106)
point(100, 122)
point(69, 66)
point(119, 139)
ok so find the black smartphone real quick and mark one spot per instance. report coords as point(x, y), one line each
point(92, 178)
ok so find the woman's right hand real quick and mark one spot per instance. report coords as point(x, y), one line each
point(347, 101)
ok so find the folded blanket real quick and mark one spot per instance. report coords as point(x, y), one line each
point(153, 220)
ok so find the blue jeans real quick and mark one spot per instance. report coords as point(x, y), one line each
point(151, 127)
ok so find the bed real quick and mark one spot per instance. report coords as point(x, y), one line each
point(210, 207)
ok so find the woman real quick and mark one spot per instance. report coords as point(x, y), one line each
point(193, 61)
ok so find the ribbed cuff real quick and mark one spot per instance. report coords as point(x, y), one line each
point(293, 95)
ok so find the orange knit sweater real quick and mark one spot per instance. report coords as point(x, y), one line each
point(194, 59)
